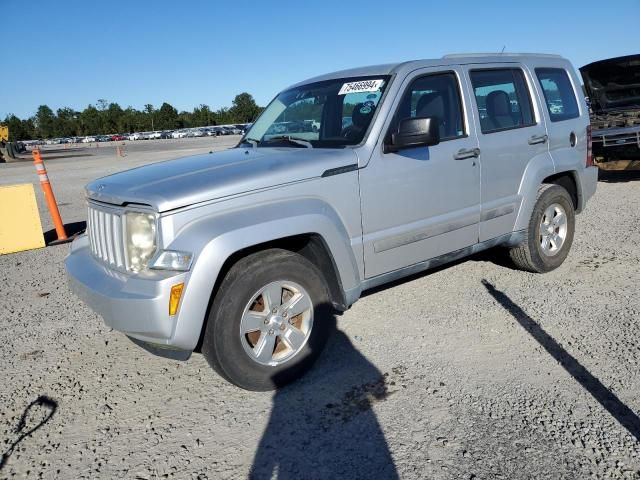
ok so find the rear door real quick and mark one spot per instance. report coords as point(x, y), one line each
point(512, 135)
point(566, 112)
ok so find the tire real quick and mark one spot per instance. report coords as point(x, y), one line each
point(234, 353)
point(536, 255)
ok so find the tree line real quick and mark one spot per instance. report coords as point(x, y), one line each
point(107, 118)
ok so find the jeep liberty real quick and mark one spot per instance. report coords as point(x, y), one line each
point(244, 255)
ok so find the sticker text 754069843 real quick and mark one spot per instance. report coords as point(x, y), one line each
point(361, 86)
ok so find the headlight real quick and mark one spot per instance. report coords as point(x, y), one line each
point(140, 239)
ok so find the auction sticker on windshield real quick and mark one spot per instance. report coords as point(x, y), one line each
point(361, 86)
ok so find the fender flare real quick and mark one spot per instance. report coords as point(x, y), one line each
point(214, 239)
point(539, 168)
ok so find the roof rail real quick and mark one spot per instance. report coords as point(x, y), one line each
point(504, 54)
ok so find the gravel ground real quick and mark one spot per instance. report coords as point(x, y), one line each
point(472, 371)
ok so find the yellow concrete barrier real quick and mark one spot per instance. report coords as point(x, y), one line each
point(20, 227)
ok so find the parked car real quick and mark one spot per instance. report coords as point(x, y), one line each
point(245, 254)
point(166, 134)
point(179, 133)
point(135, 136)
point(154, 135)
point(195, 132)
point(89, 139)
point(117, 137)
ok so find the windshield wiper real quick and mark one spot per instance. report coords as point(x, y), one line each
point(290, 139)
point(252, 141)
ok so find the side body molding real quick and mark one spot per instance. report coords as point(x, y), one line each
point(213, 239)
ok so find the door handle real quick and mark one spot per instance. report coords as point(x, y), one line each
point(467, 153)
point(534, 140)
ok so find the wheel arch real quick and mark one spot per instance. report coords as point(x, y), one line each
point(312, 230)
point(568, 181)
point(310, 246)
point(541, 171)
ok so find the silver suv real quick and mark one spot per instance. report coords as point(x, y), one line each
point(245, 255)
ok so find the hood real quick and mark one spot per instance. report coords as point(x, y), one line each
point(613, 84)
point(190, 180)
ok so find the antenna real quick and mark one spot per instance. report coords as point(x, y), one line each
point(502, 51)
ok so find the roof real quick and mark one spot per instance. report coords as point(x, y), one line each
point(453, 59)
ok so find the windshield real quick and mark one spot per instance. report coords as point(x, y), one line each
point(329, 114)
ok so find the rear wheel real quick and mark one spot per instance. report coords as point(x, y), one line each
point(269, 320)
point(549, 235)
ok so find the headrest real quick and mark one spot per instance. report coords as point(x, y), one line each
point(431, 105)
point(498, 104)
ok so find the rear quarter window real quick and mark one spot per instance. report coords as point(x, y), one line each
point(558, 94)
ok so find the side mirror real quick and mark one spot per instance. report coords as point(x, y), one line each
point(414, 132)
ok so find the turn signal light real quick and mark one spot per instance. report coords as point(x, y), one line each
point(174, 298)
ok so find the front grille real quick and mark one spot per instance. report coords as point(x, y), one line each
point(618, 139)
point(106, 236)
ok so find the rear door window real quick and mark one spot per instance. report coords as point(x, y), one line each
point(558, 94)
point(503, 99)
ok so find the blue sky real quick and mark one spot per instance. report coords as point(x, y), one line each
point(71, 53)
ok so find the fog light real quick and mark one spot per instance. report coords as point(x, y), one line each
point(174, 298)
point(172, 260)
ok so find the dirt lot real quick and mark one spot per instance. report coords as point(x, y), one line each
point(473, 371)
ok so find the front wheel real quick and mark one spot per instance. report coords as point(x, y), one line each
point(269, 320)
point(549, 235)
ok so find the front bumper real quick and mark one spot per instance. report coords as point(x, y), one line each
point(137, 305)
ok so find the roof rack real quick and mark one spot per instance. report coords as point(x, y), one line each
point(504, 54)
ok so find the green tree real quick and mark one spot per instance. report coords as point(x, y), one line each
point(45, 122)
point(66, 124)
point(244, 108)
point(223, 116)
point(102, 104)
point(130, 120)
point(202, 116)
point(111, 118)
point(90, 121)
point(105, 118)
point(185, 120)
point(167, 117)
point(150, 117)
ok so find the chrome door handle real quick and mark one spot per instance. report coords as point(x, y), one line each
point(538, 139)
point(467, 153)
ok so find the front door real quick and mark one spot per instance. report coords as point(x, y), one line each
point(423, 202)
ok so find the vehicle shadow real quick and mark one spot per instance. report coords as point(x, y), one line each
point(623, 414)
point(323, 426)
point(618, 176)
point(41, 410)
